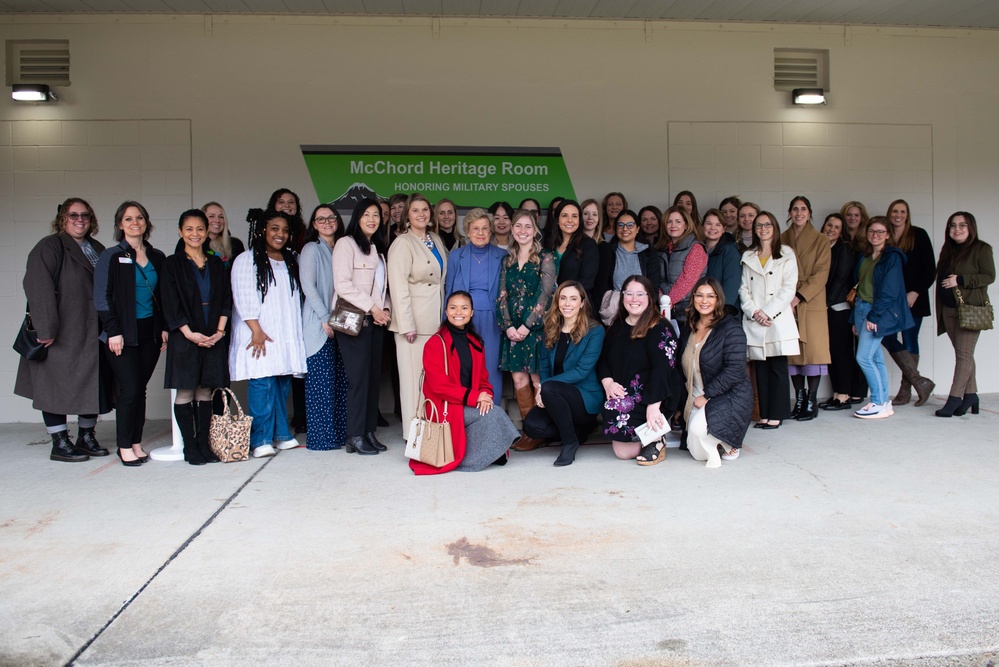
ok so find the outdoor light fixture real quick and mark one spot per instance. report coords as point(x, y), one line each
point(808, 96)
point(32, 92)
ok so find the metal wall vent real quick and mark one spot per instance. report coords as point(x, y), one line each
point(801, 68)
point(38, 61)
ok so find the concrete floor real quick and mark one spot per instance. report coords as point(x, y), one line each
point(836, 542)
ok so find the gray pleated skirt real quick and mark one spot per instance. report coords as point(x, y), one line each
point(487, 437)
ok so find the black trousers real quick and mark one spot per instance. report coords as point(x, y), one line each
point(564, 415)
point(362, 360)
point(132, 370)
point(774, 388)
point(845, 373)
point(298, 402)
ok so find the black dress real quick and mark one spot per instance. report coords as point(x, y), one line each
point(189, 366)
point(649, 370)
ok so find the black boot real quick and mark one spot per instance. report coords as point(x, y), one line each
point(373, 441)
point(810, 409)
point(357, 444)
point(970, 401)
point(799, 403)
point(953, 404)
point(203, 426)
point(64, 450)
point(567, 455)
point(184, 412)
point(86, 443)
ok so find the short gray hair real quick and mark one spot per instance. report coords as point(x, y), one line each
point(476, 214)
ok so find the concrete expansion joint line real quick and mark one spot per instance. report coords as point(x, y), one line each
point(169, 560)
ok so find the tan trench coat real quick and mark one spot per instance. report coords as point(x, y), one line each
point(814, 259)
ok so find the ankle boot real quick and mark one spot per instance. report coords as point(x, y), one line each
point(970, 401)
point(374, 442)
point(799, 403)
point(525, 401)
point(86, 443)
point(567, 455)
point(953, 403)
point(356, 444)
point(810, 409)
point(63, 449)
point(908, 363)
point(203, 429)
point(184, 412)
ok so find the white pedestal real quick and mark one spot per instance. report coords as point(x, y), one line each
point(176, 451)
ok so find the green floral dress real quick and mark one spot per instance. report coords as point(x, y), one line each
point(524, 293)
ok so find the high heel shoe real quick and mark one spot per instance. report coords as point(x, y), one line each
point(970, 401)
point(567, 455)
point(950, 408)
point(128, 464)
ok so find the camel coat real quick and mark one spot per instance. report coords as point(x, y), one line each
point(68, 381)
point(814, 259)
point(769, 289)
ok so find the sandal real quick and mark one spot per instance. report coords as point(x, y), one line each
point(731, 455)
point(652, 453)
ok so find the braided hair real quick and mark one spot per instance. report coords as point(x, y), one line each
point(265, 274)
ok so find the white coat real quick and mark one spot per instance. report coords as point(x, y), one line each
point(770, 289)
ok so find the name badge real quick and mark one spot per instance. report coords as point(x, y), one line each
point(124, 260)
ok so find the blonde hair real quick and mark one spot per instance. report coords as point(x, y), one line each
point(223, 244)
point(476, 214)
point(514, 249)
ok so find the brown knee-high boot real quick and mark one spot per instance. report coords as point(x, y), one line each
point(525, 401)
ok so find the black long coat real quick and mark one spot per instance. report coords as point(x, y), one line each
point(69, 381)
point(726, 384)
point(189, 366)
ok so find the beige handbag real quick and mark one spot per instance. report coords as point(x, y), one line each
point(229, 436)
point(429, 438)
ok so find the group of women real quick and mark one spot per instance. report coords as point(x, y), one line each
point(578, 313)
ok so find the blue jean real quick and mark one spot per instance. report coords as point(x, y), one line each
point(910, 339)
point(870, 358)
point(267, 403)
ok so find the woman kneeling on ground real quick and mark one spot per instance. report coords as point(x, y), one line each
point(456, 382)
point(569, 397)
point(719, 395)
point(638, 371)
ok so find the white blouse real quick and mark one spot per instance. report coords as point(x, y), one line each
point(279, 315)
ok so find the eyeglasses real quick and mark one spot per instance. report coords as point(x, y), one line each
point(705, 297)
point(323, 220)
point(635, 295)
point(79, 216)
point(877, 232)
point(763, 225)
point(626, 225)
point(957, 225)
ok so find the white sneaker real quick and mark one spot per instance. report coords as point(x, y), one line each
point(288, 444)
point(875, 411)
point(262, 451)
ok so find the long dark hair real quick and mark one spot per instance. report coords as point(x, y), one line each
point(557, 234)
point(693, 316)
point(119, 215)
point(951, 253)
point(470, 327)
point(651, 316)
point(312, 234)
point(355, 232)
point(775, 245)
point(296, 224)
point(265, 275)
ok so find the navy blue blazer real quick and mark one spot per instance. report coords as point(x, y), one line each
point(890, 310)
point(460, 265)
point(579, 367)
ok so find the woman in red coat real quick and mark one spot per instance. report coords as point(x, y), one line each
point(457, 383)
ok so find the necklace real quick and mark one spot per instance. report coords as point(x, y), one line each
point(429, 242)
point(201, 264)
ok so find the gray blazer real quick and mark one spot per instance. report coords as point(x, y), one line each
point(315, 270)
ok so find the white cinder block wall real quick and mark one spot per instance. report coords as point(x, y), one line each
point(682, 106)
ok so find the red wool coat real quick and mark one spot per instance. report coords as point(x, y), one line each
point(439, 387)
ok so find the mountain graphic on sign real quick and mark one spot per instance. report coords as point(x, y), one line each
point(355, 193)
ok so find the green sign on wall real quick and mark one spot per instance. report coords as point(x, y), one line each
point(468, 176)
